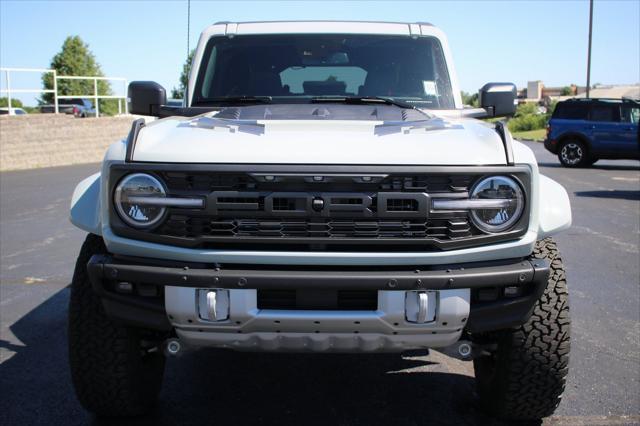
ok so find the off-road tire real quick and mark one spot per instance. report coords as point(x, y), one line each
point(574, 146)
point(111, 373)
point(525, 377)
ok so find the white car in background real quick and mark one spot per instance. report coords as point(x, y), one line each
point(12, 111)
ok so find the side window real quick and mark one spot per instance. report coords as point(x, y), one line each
point(609, 113)
point(572, 111)
point(206, 90)
point(630, 114)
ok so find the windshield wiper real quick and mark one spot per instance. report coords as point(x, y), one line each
point(241, 99)
point(362, 100)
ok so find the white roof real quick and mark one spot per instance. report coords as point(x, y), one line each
point(324, 27)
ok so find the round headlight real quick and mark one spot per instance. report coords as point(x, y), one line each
point(503, 215)
point(134, 197)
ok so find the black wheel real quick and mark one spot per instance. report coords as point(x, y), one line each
point(573, 153)
point(112, 371)
point(524, 378)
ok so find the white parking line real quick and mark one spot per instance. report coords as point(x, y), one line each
point(626, 179)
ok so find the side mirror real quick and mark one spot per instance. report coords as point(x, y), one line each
point(499, 99)
point(146, 98)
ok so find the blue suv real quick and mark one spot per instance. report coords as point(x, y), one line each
point(582, 131)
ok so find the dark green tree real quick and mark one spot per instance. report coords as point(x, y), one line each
point(75, 59)
point(471, 100)
point(178, 92)
point(15, 103)
point(566, 91)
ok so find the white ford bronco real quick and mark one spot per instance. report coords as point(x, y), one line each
point(321, 189)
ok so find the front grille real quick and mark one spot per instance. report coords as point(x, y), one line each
point(338, 209)
point(280, 208)
point(318, 299)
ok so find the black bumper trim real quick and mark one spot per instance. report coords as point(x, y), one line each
point(514, 273)
point(530, 274)
point(134, 314)
point(505, 313)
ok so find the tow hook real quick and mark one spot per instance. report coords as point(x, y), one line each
point(464, 350)
point(173, 347)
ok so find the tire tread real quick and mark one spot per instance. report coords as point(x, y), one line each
point(111, 375)
point(532, 360)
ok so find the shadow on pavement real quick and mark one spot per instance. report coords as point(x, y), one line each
point(596, 166)
point(614, 193)
point(616, 166)
point(209, 386)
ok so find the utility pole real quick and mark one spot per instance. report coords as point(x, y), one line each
point(188, 24)
point(589, 51)
point(186, 88)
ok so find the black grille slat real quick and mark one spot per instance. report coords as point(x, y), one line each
point(182, 181)
point(207, 182)
point(323, 228)
point(400, 205)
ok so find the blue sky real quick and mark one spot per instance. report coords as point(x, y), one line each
point(491, 40)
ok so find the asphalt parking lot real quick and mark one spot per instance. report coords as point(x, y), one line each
point(601, 252)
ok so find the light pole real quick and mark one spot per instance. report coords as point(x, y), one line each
point(186, 88)
point(589, 51)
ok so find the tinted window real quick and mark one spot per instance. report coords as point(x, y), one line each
point(601, 112)
point(297, 67)
point(74, 101)
point(572, 111)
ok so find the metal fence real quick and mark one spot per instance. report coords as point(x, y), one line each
point(56, 97)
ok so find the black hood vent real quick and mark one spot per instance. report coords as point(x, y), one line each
point(324, 112)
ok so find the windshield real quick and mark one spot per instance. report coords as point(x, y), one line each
point(297, 68)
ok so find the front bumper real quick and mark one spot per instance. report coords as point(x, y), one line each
point(163, 297)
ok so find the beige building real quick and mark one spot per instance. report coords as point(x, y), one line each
point(618, 91)
point(536, 91)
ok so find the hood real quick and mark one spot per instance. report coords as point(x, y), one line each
point(320, 134)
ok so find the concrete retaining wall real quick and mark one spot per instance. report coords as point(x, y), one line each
point(48, 140)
